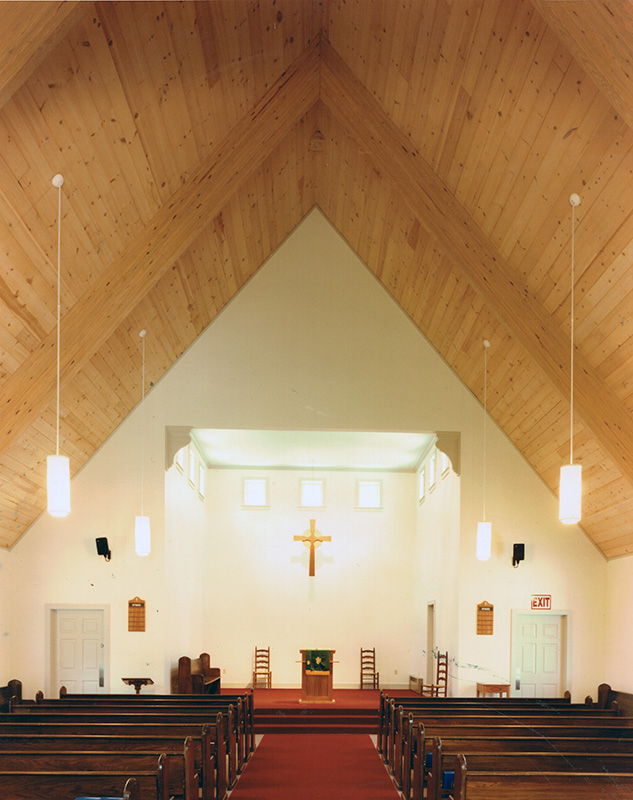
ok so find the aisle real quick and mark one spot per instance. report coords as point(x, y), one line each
point(315, 767)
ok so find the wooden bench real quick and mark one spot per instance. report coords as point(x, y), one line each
point(225, 723)
point(195, 677)
point(540, 785)
point(68, 784)
point(389, 707)
point(440, 777)
point(410, 769)
point(198, 761)
point(242, 702)
point(179, 770)
point(409, 701)
point(394, 745)
point(12, 689)
point(212, 736)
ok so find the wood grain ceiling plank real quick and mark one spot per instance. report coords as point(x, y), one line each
point(572, 118)
point(484, 265)
point(600, 36)
point(115, 293)
point(27, 39)
point(128, 180)
point(494, 98)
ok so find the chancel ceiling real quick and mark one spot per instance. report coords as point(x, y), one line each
point(442, 139)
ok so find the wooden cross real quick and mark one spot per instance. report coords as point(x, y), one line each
point(312, 539)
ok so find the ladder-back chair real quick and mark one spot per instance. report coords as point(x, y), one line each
point(262, 676)
point(368, 676)
point(441, 679)
point(440, 687)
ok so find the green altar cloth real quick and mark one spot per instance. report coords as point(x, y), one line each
point(318, 660)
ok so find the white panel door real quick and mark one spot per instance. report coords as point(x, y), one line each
point(78, 651)
point(537, 655)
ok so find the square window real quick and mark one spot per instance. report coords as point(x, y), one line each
point(312, 493)
point(255, 492)
point(368, 494)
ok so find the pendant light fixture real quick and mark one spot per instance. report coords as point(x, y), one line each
point(142, 535)
point(58, 467)
point(484, 529)
point(570, 492)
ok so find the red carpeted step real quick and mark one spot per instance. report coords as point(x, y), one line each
point(315, 719)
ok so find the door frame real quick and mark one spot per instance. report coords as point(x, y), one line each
point(565, 649)
point(50, 611)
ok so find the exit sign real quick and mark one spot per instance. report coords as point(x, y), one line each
point(541, 602)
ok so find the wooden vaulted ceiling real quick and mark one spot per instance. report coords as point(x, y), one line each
point(442, 138)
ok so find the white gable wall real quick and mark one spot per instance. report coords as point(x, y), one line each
point(312, 342)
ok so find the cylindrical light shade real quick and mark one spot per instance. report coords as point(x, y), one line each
point(142, 537)
point(484, 540)
point(570, 493)
point(58, 485)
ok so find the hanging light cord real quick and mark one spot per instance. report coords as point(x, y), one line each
point(59, 258)
point(142, 335)
point(573, 202)
point(486, 346)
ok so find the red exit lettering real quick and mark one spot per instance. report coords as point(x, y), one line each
point(541, 602)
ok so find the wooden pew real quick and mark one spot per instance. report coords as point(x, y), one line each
point(197, 759)
point(12, 689)
point(388, 702)
point(179, 770)
point(598, 738)
point(414, 759)
point(196, 677)
point(242, 702)
point(546, 785)
point(396, 745)
point(389, 711)
point(124, 703)
point(225, 724)
point(68, 784)
point(212, 736)
point(582, 759)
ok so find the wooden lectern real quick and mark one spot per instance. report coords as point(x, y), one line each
point(316, 684)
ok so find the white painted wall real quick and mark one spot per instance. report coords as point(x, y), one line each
point(312, 342)
point(252, 555)
point(617, 621)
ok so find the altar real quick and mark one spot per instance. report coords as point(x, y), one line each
point(317, 668)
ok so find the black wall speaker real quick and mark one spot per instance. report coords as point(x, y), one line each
point(102, 547)
point(518, 554)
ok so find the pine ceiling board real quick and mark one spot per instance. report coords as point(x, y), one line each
point(75, 274)
point(460, 319)
point(194, 39)
point(112, 297)
point(600, 35)
point(146, 84)
point(493, 98)
point(533, 240)
point(26, 39)
point(516, 130)
point(560, 145)
point(523, 318)
point(485, 88)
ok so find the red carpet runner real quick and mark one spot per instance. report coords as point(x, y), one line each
point(315, 767)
